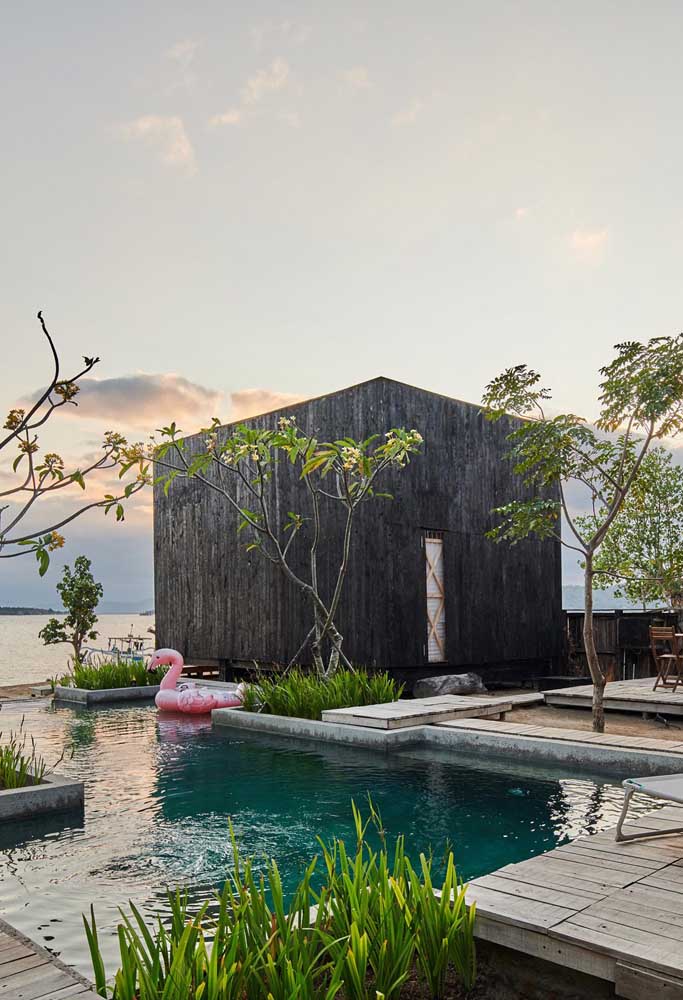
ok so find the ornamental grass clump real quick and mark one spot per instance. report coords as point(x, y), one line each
point(306, 695)
point(100, 675)
point(371, 932)
point(20, 762)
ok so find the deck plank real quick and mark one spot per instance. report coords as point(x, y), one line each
point(623, 903)
point(29, 972)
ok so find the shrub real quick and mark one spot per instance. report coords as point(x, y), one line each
point(359, 937)
point(110, 674)
point(306, 696)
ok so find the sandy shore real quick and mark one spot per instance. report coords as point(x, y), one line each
point(13, 691)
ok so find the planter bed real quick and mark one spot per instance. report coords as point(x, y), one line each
point(53, 794)
point(85, 696)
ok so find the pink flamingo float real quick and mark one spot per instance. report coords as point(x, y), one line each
point(188, 697)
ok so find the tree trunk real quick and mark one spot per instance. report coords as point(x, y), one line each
point(597, 676)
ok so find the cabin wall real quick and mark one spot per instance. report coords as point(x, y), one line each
point(215, 600)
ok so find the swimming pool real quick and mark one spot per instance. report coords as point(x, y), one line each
point(159, 792)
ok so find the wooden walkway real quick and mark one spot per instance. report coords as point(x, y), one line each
point(419, 711)
point(614, 911)
point(622, 696)
point(28, 972)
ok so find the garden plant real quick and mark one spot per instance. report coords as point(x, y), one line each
point(20, 762)
point(45, 476)
point(641, 402)
point(642, 554)
point(342, 475)
point(99, 675)
point(374, 930)
point(80, 595)
point(304, 695)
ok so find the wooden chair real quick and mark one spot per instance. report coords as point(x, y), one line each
point(667, 654)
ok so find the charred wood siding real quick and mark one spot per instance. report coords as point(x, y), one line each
point(503, 604)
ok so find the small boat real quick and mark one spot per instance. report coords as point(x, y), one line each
point(129, 648)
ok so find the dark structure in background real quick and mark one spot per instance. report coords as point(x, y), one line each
point(622, 640)
point(426, 592)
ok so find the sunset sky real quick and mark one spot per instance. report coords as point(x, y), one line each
point(234, 204)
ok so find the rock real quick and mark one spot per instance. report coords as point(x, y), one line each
point(428, 687)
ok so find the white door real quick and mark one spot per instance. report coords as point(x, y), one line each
point(436, 600)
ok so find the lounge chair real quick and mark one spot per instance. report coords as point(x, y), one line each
point(663, 786)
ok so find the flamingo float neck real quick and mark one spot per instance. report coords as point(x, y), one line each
point(170, 679)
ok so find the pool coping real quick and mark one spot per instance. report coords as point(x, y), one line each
point(578, 749)
point(54, 793)
point(85, 696)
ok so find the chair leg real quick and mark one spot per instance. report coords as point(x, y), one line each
point(622, 837)
point(618, 835)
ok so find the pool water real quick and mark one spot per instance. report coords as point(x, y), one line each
point(159, 792)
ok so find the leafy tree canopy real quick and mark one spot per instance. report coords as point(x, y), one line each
point(80, 595)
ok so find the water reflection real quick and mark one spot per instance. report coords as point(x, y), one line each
point(159, 793)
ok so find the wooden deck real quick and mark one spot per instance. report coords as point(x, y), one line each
point(614, 911)
point(28, 972)
point(419, 711)
point(622, 696)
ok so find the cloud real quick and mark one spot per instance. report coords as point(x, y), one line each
point(589, 244)
point(233, 116)
point(167, 135)
point(270, 32)
point(357, 79)
point(266, 81)
point(182, 56)
point(250, 402)
point(148, 400)
point(144, 400)
point(409, 114)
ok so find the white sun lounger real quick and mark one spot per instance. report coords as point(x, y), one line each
point(663, 786)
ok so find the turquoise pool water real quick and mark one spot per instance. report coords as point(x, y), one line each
point(159, 792)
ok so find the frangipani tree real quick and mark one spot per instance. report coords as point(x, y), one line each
point(641, 401)
point(641, 556)
point(44, 476)
point(337, 475)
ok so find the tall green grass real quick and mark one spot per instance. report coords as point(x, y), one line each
point(306, 696)
point(20, 762)
point(110, 674)
point(375, 922)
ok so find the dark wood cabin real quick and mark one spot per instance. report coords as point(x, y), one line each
point(491, 607)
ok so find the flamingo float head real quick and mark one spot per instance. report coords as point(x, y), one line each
point(162, 657)
point(165, 657)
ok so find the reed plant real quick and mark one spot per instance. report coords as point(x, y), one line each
point(20, 762)
point(302, 695)
point(101, 674)
point(363, 935)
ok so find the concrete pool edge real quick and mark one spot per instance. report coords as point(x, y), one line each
point(85, 696)
point(624, 761)
point(54, 794)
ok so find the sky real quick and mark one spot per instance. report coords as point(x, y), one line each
point(239, 204)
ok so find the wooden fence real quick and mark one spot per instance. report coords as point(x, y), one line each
point(621, 638)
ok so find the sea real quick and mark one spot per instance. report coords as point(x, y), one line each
point(25, 660)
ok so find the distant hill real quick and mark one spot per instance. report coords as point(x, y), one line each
point(603, 600)
point(28, 611)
